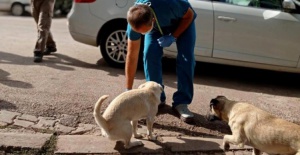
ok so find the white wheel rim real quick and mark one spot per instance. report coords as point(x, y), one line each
point(17, 10)
point(116, 46)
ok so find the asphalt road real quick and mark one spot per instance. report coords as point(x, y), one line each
point(71, 80)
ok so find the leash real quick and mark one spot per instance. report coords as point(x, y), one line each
point(161, 32)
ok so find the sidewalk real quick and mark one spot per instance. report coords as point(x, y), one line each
point(40, 135)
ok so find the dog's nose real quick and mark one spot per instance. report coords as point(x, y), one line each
point(211, 118)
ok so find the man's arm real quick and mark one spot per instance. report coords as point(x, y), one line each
point(184, 23)
point(133, 50)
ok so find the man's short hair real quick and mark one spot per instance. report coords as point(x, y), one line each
point(139, 15)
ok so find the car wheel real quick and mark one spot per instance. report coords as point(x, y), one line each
point(113, 46)
point(17, 9)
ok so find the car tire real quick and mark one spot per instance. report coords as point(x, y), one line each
point(17, 9)
point(113, 45)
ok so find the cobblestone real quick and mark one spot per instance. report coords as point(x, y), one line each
point(83, 128)
point(7, 116)
point(3, 124)
point(22, 123)
point(68, 120)
point(63, 129)
point(45, 123)
point(30, 118)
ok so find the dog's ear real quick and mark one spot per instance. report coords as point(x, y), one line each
point(161, 88)
point(217, 104)
point(213, 103)
point(220, 96)
point(142, 86)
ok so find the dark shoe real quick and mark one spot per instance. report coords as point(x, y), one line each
point(38, 57)
point(50, 50)
point(161, 104)
point(185, 114)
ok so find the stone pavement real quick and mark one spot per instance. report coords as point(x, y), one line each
point(47, 135)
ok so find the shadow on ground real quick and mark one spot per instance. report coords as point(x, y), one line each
point(231, 77)
point(5, 80)
point(199, 122)
point(177, 145)
point(239, 78)
point(4, 105)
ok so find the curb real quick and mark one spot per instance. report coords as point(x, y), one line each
point(52, 137)
point(21, 143)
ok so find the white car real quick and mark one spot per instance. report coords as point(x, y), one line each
point(16, 7)
point(261, 34)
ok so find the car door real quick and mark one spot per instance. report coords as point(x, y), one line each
point(256, 31)
point(4, 5)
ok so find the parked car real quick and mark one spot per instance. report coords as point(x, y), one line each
point(63, 6)
point(15, 7)
point(261, 34)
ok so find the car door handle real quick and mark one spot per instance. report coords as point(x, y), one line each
point(226, 19)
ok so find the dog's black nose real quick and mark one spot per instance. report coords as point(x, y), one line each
point(211, 118)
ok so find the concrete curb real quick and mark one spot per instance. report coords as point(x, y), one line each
point(91, 144)
point(67, 139)
point(82, 144)
point(33, 141)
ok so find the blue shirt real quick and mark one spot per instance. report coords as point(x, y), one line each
point(168, 13)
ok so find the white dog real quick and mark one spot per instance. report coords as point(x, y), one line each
point(119, 121)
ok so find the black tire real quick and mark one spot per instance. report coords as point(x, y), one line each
point(113, 45)
point(17, 9)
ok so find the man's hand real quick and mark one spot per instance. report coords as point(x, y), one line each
point(166, 40)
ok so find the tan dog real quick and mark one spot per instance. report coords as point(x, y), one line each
point(120, 119)
point(263, 131)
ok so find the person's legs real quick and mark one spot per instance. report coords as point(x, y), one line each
point(50, 40)
point(45, 13)
point(35, 11)
point(50, 44)
point(152, 60)
point(185, 65)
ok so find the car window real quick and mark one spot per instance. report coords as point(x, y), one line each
point(267, 4)
point(297, 2)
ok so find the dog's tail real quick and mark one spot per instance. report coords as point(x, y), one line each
point(98, 117)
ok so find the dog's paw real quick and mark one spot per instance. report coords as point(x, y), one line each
point(158, 138)
point(133, 144)
point(137, 143)
point(138, 136)
point(226, 146)
point(241, 145)
point(152, 138)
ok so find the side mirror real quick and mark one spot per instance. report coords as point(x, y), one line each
point(288, 5)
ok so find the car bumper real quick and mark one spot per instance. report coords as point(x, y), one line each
point(82, 38)
point(80, 26)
